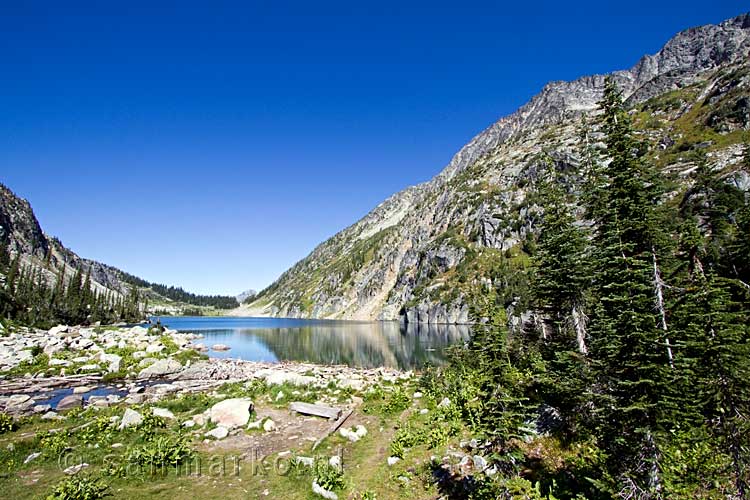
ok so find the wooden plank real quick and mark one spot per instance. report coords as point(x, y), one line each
point(316, 410)
point(338, 423)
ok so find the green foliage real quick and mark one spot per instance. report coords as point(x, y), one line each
point(54, 444)
point(79, 487)
point(328, 476)
point(160, 452)
point(7, 423)
point(151, 424)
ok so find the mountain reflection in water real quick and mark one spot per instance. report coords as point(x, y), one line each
point(361, 344)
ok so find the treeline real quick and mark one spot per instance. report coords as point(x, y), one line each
point(43, 296)
point(180, 295)
point(638, 368)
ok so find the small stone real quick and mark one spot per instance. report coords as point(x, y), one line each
point(417, 395)
point(51, 415)
point(218, 433)
point(392, 461)
point(354, 434)
point(117, 445)
point(319, 490)
point(220, 347)
point(269, 425)
point(444, 403)
point(32, 457)
point(306, 461)
point(41, 408)
point(424, 411)
point(255, 425)
point(335, 461)
point(81, 389)
point(75, 469)
point(188, 424)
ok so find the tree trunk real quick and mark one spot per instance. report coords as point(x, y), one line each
point(659, 292)
point(579, 323)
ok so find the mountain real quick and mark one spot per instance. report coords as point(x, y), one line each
point(22, 234)
point(438, 251)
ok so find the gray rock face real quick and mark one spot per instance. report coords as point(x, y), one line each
point(396, 262)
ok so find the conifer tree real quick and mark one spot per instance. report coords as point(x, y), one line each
point(629, 344)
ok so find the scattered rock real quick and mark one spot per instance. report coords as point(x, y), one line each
point(269, 425)
point(130, 418)
point(69, 402)
point(255, 425)
point(354, 434)
point(232, 412)
point(319, 490)
point(218, 433)
point(75, 469)
point(306, 461)
point(163, 413)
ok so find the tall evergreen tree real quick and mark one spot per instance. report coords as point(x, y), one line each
point(630, 346)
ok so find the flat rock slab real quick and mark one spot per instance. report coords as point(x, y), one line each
point(316, 410)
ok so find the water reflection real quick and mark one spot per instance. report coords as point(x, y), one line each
point(326, 342)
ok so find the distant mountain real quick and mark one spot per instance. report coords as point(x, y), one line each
point(21, 232)
point(433, 252)
point(247, 294)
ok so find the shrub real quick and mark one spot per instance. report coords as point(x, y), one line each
point(79, 487)
point(328, 476)
point(161, 452)
point(7, 424)
point(54, 444)
point(150, 424)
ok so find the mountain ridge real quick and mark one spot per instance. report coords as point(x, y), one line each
point(345, 277)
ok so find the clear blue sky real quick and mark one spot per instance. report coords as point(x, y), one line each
point(213, 146)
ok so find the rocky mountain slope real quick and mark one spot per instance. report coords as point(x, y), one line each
point(437, 252)
point(22, 234)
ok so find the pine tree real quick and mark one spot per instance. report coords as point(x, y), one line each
point(630, 347)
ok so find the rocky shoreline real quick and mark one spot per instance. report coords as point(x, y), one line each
point(137, 366)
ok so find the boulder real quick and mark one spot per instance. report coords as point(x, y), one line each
point(220, 347)
point(81, 389)
point(163, 413)
point(160, 368)
point(130, 418)
point(231, 413)
point(70, 402)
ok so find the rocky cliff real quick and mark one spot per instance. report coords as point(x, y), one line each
point(21, 232)
point(435, 252)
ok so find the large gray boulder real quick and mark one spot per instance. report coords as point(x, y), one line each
point(231, 413)
point(160, 368)
point(70, 402)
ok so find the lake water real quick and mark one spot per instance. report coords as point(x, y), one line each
point(360, 344)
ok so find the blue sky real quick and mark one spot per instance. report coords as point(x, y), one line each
point(214, 145)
